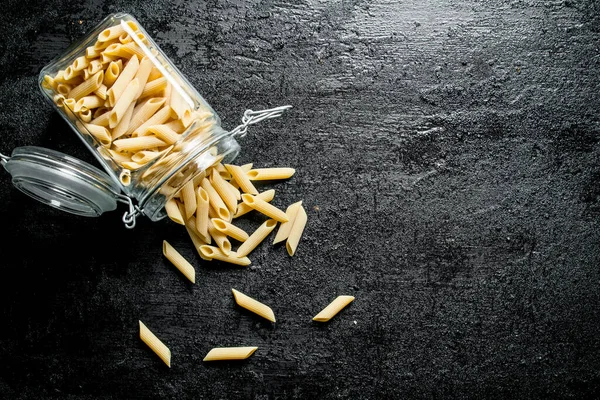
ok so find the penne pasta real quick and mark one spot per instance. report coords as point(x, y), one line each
point(138, 143)
point(188, 197)
point(91, 101)
point(216, 202)
point(214, 253)
point(111, 74)
point(264, 207)
point(253, 305)
point(333, 308)
point(256, 237)
point(164, 133)
point(296, 232)
point(223, 189)
point(220, 238)
point(197, 241)
point(243, 208)
point(155, 344)
point(122, 104)
point(100, 133)
point(267, 174)
point(143, 112)
point(142, 74)
point(160, 117)
point(126, 76)
point(123, 124)
point(202, 207)
point(241, 178)
point(286, 227)
point(228, 229)
point(229, 353)
point(154, 87)
point(179, 261)
point(173, 211)
point(110, 33)
point(87, 86)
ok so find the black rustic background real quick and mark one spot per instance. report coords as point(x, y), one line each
point(446, 153)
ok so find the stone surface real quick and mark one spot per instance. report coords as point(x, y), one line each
point(447, 156)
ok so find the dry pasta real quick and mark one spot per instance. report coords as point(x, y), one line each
point(173, 211)
point(284, 229)
point(296, 232)
point(243, 208)
point(229, 353)
point(179, 261)
point(264, 207)
point(214, 253)
point(155, 344)
point(333, 308)
point(230, 230)
point(268, 174)
point(256, 237)
point(253, 305)
point(239, 175)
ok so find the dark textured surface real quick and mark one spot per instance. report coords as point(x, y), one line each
point(447, 155)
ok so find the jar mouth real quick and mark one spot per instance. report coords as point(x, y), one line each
point(221, 147)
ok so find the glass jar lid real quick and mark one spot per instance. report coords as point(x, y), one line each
point(62, 181)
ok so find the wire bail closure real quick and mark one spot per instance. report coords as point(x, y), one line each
point(129, 218)
point(252, 117)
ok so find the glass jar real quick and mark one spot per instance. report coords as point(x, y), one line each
point(147, 126)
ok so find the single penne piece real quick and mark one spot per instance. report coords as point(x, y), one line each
point(92, 52)
point(220, 238)
point(86, 87)
point(64, 89)
point(58, 99)
point(160, 117)
point(94, 66)
point(118, 50)
point(143, 112)
point(173, 211)
point(214, 253)
point(110, 154)
point(241, 178)
point(71, 73)
point(286, 227)
point(202, 207)
point(49, 83)
point(188, 197)
point(223, 189)
point(85, 115)
point(125, 177)
point(164, 133)
point(138, 143)
point(229, 353)
point(215, 200)
point(268, 174)
point(296, 232)
point(264, 207)
point(123, 102)
point(333, 308)
point(89, 102)
point(256, 237)
point(253, 305)
point(69, 106)
point(179, 261)
point(154, 87)
point(110, 33)
point(227, 228)
point(126, 76)
point(80, 63)
point(157, 346)
point(100, 133)
point(175, 125)
point(111, 74)
point(101, 91)
point(145, 156)
point(243, 208)
point(123, 124)
point(142, 74)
